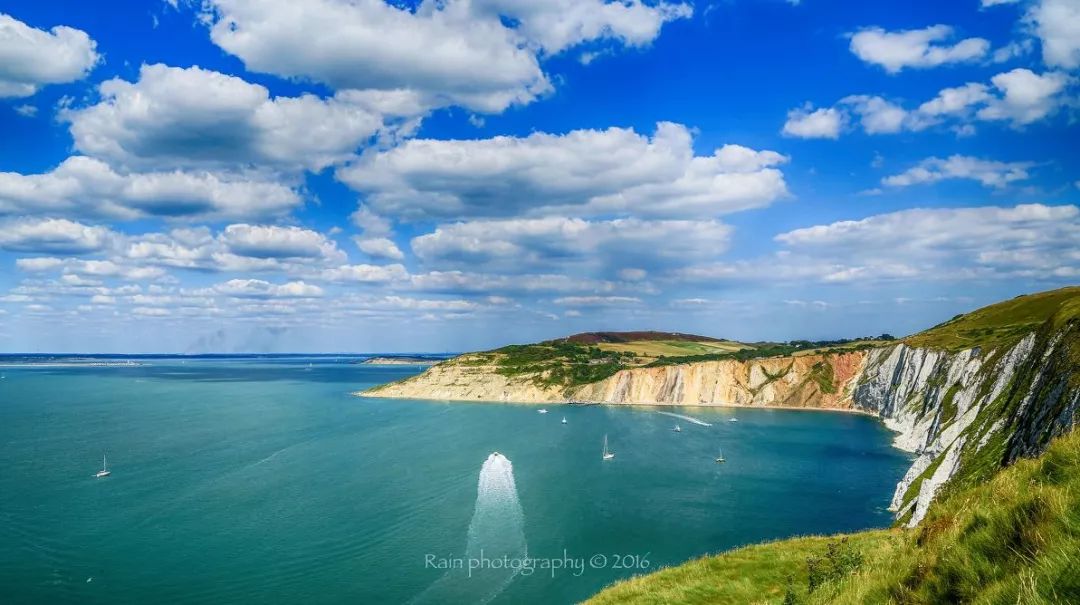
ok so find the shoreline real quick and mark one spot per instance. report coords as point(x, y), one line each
point(856, 411)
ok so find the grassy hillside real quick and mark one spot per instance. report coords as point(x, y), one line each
point(1013, 539)
point(1003, 323)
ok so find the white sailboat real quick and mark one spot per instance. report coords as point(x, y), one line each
point(720, 458)
point(542, 411)
point(677, 429)
point(564, 419)
point(104, 472)
point(608, 455)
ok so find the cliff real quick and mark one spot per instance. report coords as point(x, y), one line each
point(966, 397)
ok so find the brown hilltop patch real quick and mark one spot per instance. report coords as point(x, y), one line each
point(592, 338)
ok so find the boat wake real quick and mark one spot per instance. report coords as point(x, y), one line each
point(686, 418)
point(496, 534)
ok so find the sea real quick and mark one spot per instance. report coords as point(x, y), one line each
point(264, 479)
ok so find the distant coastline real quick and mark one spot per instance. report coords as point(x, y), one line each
point(400, 360)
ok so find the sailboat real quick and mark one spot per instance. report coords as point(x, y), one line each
point(564, 419)
point(733, 419)
point(721, 457)
point(541, 411)
point(104, 472)
point(608, 455)
point(677, 429)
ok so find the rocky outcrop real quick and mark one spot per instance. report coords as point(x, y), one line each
point(960, 413)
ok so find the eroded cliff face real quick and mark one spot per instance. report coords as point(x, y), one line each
point(967, 413)
point(807, 381)
point(960, 413)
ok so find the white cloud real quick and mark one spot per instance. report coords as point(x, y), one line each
point(270, 241)
point(879, 116)
point(53, 236)
point(194, 117)
point(597, 301)
point(956, 101)
point(517, 244)
point(919, 48)
point(986, 3)
point(86, 186)
point(480, 54)
point(95, 268)
point(257, 288)
point(379, 247)
point(1031, 241)
point(579, 173)
point(1020, 97)
point(809, 123)
point(31, 58)
point(989, 173)
point(1057, 23)
point(485, 283)
point(1026, 96)
point(26, 111)
point(366, 273)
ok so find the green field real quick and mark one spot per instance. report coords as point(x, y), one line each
point(676, 348)
point(1013, 539)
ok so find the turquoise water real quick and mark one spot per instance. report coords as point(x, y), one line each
point(264, 481)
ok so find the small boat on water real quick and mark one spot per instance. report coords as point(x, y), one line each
point(542, 411)
point(733, 419)
point(608, 454)
point(104, 472)
point(677, 429)
point(564, 419)
point(720, 458)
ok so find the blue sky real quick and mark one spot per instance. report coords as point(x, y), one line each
point(234, 175)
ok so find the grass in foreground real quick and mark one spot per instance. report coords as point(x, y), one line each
point(1014, 539)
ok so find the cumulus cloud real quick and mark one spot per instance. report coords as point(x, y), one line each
point(480, 54)
point(987, 172)
point(366, 273)
point(517, 244)
point(56, 236)
point(810, 123)
point(1032, 241)
point(917, 48)
point(95, 268)
point(1026, 97)
point(194, 117)
point(271, 241)
point(1057, 24)
point(578, 173)
point(257, 288)
point(31, 58)
point(90, 187)
point(379, 247)
point(1019, 97)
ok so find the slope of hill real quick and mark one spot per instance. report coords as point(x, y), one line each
point(1012, 539)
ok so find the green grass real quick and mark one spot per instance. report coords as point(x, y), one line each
point(558, 362)
point(782, 349)
point(1001, 324)
point(1012, 539)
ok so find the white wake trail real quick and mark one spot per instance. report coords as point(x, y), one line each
point(496, 534)
point(686, 418)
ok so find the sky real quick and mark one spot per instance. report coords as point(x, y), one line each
point(362, 176)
